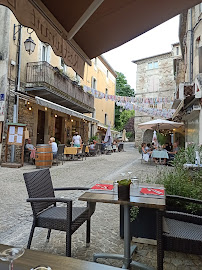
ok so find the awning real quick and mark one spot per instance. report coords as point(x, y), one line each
point(105, 127)
point(80, 30)
point(178, 109)
point(62, 109)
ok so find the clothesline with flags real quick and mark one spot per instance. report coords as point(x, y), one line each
point(133, 103)
point(165, 113)
point(101, 95)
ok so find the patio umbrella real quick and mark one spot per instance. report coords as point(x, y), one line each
point(154, 139)
point(160, 124)
point(108, 135)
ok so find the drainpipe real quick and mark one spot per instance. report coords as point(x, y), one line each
point(17, 87)
point(190, 48)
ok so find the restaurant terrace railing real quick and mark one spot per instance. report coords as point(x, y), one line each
point(43, 74)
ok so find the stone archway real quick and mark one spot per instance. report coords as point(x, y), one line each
point(147, 136)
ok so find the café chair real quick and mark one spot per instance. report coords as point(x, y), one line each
point(83, 152)
point(178, 231)
point(46, 214)
point(60, 153)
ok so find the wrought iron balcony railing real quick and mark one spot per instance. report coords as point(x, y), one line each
point(42, 74)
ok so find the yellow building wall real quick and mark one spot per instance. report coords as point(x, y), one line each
point(98, 71)
point(25, 57)
point(102, 106)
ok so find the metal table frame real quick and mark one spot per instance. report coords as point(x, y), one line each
point(139, 200)
point(128, 249)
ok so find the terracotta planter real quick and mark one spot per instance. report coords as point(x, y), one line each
point(124, 192)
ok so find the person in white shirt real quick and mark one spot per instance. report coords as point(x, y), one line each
point(77, 140)
point(54, 146)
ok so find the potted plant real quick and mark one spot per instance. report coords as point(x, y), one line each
point(124, 189)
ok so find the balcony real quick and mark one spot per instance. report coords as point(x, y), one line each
point(50, 83)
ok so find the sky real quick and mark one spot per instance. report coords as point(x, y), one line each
point(154, 42)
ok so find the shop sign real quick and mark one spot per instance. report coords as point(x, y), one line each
point(32, 16)
point(1, 97)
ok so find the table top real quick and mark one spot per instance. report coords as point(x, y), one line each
point(157, 202)
point(160, 154)
point(71, 150)
point(33, 258)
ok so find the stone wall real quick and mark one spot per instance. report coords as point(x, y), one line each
point(153, 83)
point(4, 55)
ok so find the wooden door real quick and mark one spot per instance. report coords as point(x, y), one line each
point(40, 127)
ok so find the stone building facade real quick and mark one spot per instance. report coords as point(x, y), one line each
point(50, 96)
point(155, 79)
point(188, 96)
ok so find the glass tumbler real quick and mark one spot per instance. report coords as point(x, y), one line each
point(41, 268)
point(115, 189)
point(135, 185)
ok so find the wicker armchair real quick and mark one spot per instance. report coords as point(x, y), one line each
point(47, 215)
point(60, 153)
point(178, 231)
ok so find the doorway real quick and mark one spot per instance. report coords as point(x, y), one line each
point(58, 129)
point(40, 127)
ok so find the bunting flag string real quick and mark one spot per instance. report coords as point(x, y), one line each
point(152, 101)
point(166, 113)
point(133, 103)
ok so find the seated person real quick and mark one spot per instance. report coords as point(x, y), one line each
point(152, 147)
point(54, 147)
point(145, 152)
point(172, 153)
point(29, 146)
point(102, 147)
point(148, 147)
point(92, 148)
point(114, 145)
point(167, 147)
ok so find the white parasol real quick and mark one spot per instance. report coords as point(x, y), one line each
point(108, 135)
point(160, 124)
point(154, 139)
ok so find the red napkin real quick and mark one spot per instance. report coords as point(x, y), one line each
point(103, 187)
point(153, 191)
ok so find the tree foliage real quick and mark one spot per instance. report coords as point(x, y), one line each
point(124, 118)
point(122, 86)
point(122, 89)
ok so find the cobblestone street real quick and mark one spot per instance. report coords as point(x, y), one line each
point(16, 214)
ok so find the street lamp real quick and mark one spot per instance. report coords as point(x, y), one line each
point(29, 43)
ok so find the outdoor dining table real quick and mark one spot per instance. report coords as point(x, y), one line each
point(137, 199)
point(160, 154)
point(72, 151)
point(32, 258)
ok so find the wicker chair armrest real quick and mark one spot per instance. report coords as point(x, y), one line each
point(53, 200)
point(184, 217)
point(71, 188)
point(180, 198)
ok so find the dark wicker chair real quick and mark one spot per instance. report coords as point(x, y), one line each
point(98, 149)
point(60, 153)
point(83, 152)
point(120, 147)
point(178, 231)
point(47, 215)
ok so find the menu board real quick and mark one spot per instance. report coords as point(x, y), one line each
point(15, 135)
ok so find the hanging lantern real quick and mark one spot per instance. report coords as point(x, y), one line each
point(29, 45)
